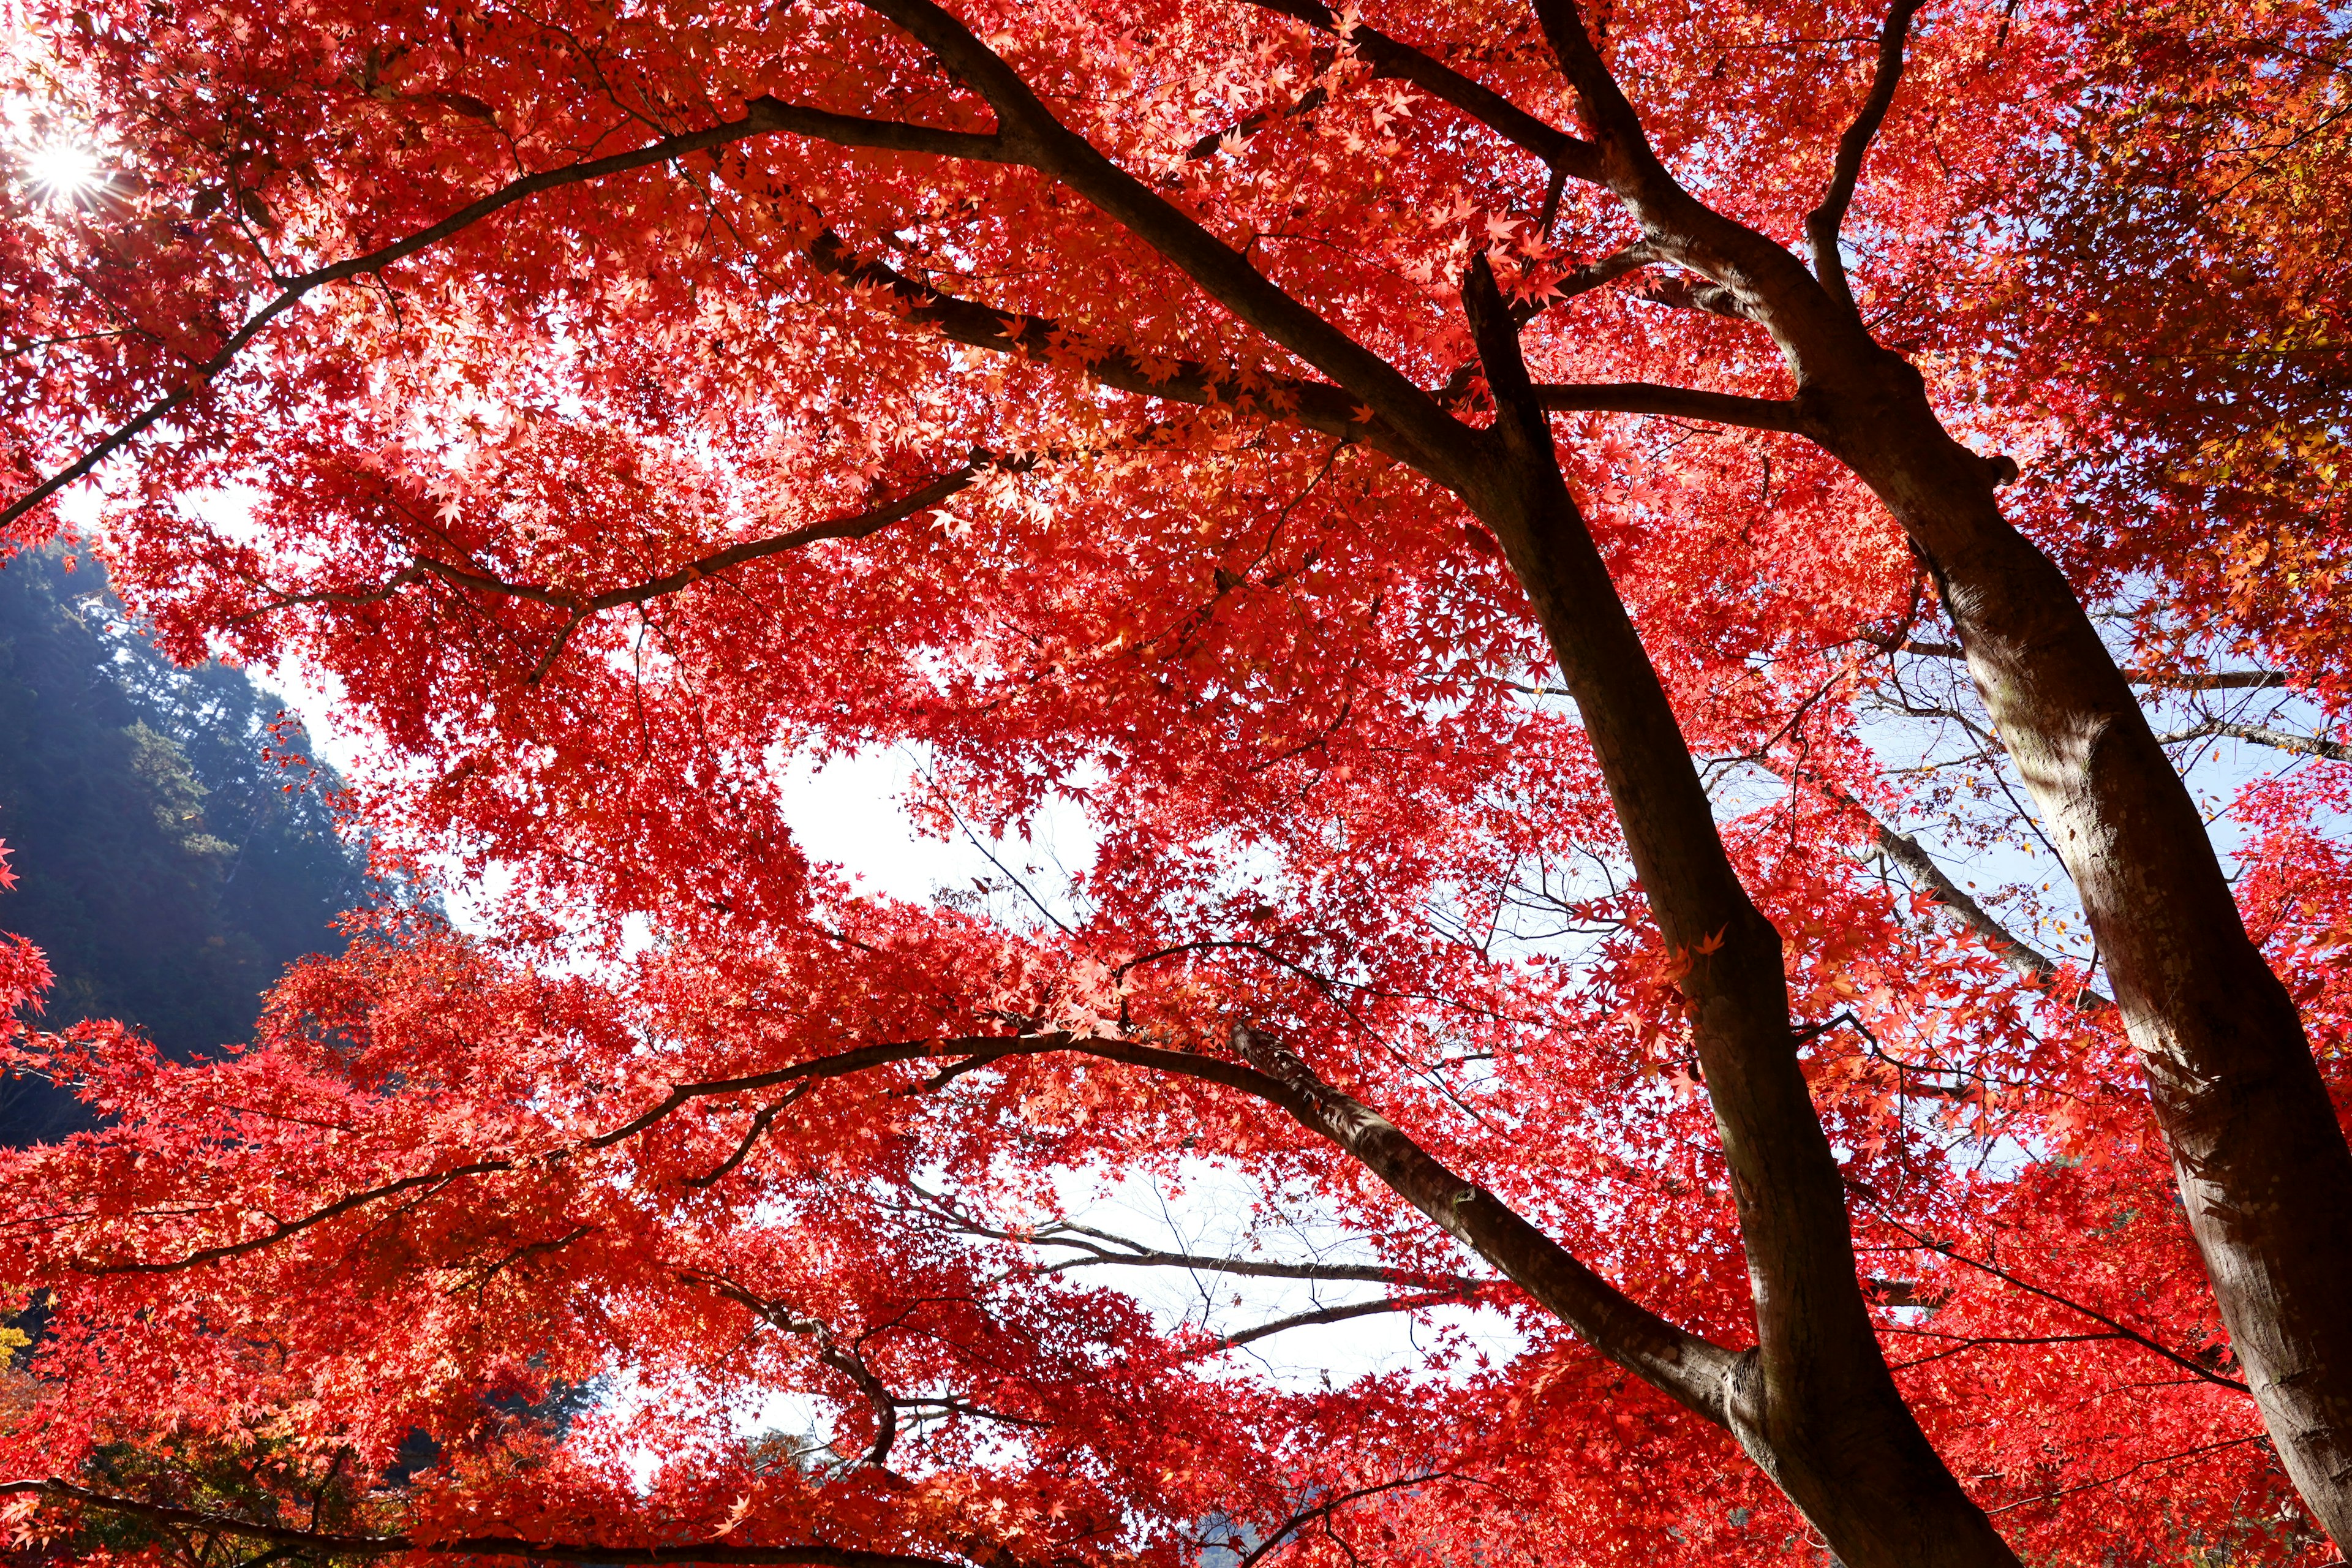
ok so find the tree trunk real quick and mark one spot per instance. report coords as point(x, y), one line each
point(2262, 1161)
point(1815, 1405)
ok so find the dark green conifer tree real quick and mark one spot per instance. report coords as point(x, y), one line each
point(164, 867)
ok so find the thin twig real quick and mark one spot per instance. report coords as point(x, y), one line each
point(2129, 1470)
point(2263, 735)
point(1946, 1250)
point(1338, 1315)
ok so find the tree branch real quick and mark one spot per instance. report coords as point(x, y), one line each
point(864, 1059)
point(1338, 1315)
point(1086, 1239)
point(1696, 294)
point(1614, 123)
point(1750, 276)
point(1687, 1368)
point(1032, 136)
point(751, 1136)
point(2262, 735)
point(1593, 275)
point(722, 1552)
point(1822, 224)
point(2185, 681)
point(1929, 879)
point(532, 1249)
point(285, 1229)
point(2123, 1329)
point(1367, 1273)
point(977, 1050)
point(1668, 402)
point(830, 1351)
point(2209, 680)
point(1324, 1510)
point(762, 116)
point(1690, 1369)
point(2133, 1470)
point(1389, 57)
point(1318, 405)
point(861, 526)
point(1249, 125)
point(1494, 331)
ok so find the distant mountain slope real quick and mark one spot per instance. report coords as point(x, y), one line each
point(162, 868)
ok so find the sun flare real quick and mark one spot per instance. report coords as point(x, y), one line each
point(63, 172)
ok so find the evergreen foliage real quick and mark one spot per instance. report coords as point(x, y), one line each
point(164, 867)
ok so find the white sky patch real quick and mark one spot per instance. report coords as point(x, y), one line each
point(1222, 1212)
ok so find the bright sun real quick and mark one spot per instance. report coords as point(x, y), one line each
point(63, 170)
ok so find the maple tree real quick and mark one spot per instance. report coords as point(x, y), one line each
point(1277, 436)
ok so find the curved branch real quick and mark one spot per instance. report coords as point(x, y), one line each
point(1389, 57)
point(1337, 1315)
point(1318, 405)
point(1324, 1510)
point(831, 1351)
point(2133, 1470)
point(751, 1136)
point(1034, 136)
point(1667, 402)
point(2209, 680)
point(863, 525)
point(862, 1060)
point(1822, 224)
point(2263, 735)
point(979, 1049)
point(804, 1556)
point(1687, 1368)
point(285, 1229)
point(1089, 1241)
point(1691, 232)
point(762, 116)
point(1749, 274)
point(1692, 1371)
point(2122, 1330)
point(1593, 275)
point(1616, 126)
point(1930, 881)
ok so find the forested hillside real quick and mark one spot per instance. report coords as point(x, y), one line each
point(164, 867)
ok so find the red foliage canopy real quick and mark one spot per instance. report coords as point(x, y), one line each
point(1223, 423)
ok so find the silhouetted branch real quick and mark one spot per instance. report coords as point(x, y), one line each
point(1340, 1315)
point(861, 525)
point(1668, 402)
point(1389, 57)
point(762, 116)
point(1930, 880)
point(1822, 224)
point(722, 1552)
point(2263, 735)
